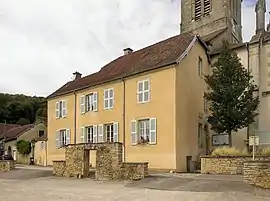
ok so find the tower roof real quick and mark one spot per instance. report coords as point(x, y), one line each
point(260, 5)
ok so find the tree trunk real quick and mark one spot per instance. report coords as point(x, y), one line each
point(230, 138)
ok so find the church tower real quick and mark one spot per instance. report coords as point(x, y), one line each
point(213, 20)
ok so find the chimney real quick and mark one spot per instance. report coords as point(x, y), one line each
point(77, 75)
point(260, 16)
point(127, 51)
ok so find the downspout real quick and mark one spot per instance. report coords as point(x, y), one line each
point(124, 119)
point(75, 116)
point(248, 67)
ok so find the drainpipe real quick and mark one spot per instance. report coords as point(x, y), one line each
point(75, 116)
point(248, 67)
point(124, 120)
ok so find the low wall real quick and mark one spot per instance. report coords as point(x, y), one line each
point(226, 164)
point(6, 165)
point(257, 173)
point(59, 168)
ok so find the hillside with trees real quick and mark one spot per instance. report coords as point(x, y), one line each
point(21, 109)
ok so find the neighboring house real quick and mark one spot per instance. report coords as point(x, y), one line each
point(151, 100)
point(40, 153)
point(25, 132)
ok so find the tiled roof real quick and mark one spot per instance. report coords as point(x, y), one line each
point(211, 36)
point(17, 131)
point(161, 54)
point(5, 127)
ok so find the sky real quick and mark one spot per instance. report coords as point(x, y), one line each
point(42, 42)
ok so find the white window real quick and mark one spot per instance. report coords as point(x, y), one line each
point(200, 136)
point(42, 145)
point(144, 131)
point(108, 98)
point(111, 132)
point(89, 102)
point(90, 134)
point(62, 137)
point(61, 109)
point(143, 91)
point(200, 70)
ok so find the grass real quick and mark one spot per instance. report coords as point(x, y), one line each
point(229, 151)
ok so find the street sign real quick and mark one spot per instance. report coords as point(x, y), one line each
point(253, 141)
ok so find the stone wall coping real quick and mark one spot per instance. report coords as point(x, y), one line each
point(257, 161)
point(217, 157)
point(58, 161)
point(99, 143)
point(136, 163)
point(6, 160)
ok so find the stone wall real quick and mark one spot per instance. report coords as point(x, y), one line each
point(6, 165)
point(257, 173)
point(226, 164)
point(59, 168)
point(109, 165)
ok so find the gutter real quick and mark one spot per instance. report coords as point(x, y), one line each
point(248, 67)
point(75, 116)
point(124, 119)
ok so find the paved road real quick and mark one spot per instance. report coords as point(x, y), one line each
point(178, 187)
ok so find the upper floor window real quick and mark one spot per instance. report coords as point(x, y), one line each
point(108, 98)
point(61, 109)
point(62, 137)
point(40, 133)
point(198, 9)
point(207, 7)
point(143, 91)
point(200, 70)
point(89, 102)
point(43, 145)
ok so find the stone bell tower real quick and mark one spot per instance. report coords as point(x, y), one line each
point(213, 20)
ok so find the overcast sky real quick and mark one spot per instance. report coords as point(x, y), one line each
point(42, 42)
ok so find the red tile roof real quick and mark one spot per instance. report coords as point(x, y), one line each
point(4, 128)
point(17, 131)
point(161, 54)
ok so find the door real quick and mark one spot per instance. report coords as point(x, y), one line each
point(86, 163)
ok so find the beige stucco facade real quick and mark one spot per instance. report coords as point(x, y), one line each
point(176, 102)
point(40, 153)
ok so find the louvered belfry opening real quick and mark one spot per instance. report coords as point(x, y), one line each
point(207, 7)
point(198, 9)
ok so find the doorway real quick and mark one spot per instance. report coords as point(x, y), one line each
point(86, 163)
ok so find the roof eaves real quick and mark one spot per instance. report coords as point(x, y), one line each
point(185, 53)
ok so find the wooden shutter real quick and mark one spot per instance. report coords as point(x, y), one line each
point(95, 101)
point(100, 133)
point(57, 110)
point(67, 136)
point(57, 139)
point(83, 136)
point(115, 132)
point(64, 108)
point(95, 134)
point(153, 131)
point(134, 132)
point(82, 104)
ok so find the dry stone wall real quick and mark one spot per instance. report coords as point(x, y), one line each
point(59, 168)
point(257, 173)
point(6, 165)
point(231, 165)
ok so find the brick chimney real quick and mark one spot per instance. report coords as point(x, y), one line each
point(77, 75)
point(127, 51)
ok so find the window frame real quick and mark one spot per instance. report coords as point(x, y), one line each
point(107, 99)
point(60, 109)
point(200, 66)
point(144, 91)
point(89, 134)
point(90, 103)
point(111, 132)
point(146, 123)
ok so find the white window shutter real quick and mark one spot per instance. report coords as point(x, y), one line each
point(64, 108)
point(115, 132)
point(134, 132)
point(82, 104)
point(149, 93)
point(57, 110)
point(67, 136)
point(100, 133)
point(57, 139)
point(95, 134)
point(83, 139)
point(153, 131)
point(41, 145)
point(95, 101)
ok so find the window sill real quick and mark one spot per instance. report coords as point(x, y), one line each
point(144, 102)
point(108, 108)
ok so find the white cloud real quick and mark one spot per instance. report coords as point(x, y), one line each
point(43, 42)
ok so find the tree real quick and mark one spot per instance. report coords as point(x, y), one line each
point(23, 147)
point(23, 121)
point(233, 105)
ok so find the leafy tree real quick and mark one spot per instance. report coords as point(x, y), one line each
point(23, 147)
point(23, 121)
point(232, 102)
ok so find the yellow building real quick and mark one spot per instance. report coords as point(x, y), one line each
point(40, 153)
point(151, 100)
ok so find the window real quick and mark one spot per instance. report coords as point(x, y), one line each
point(207, 7)
point(90, 134)
point(198, 9)
point(61, 109)
point(89, 102)
point(200, 67)
point(200, 136)
point(143, 131)
point(109, 132)
point(42, 145)
point(62, 137)
point(143, 91)
point(40, 133)
point(108, 98)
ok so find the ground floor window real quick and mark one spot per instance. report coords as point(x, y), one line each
point(62, 137)
point(90, 134)
point(143, 126)
point(109, 132)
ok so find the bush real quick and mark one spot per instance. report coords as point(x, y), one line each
point(229, 151)
point(24, 147)
point(265, 151)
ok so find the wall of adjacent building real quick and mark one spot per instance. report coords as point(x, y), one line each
point(40, 153)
